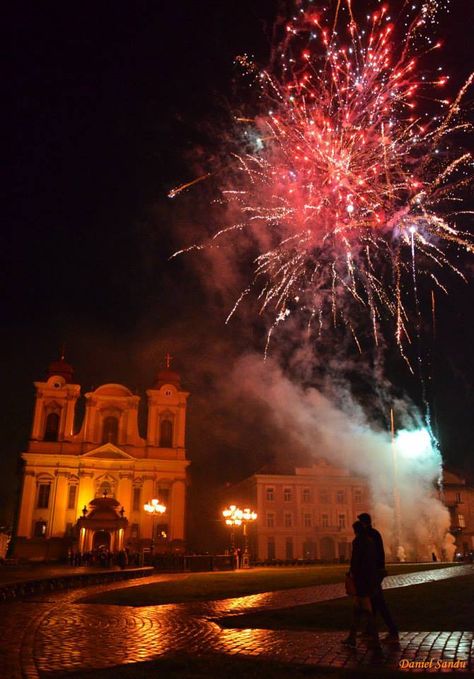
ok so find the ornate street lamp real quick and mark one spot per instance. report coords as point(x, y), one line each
point(234, 516)
point(154, 508)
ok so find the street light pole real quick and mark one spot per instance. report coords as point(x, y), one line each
point(396, 492)
point(407, 445)
point(239, 517)
point(154, 508)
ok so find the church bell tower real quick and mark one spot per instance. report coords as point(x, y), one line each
point(55, 404)
point(167, 412)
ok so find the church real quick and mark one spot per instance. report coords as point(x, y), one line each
point(85, 487)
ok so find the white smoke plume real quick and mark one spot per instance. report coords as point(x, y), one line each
point(343, 435)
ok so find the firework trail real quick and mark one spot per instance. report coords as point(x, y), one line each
point(353, 185)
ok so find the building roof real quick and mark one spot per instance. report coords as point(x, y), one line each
point(103, 515)
point(113, 390)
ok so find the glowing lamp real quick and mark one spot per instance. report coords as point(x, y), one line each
point(154, 507)
point(234, 516)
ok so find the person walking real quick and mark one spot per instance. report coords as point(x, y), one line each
point(364, 577)
point(379, 605)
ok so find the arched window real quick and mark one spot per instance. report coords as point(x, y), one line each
point(51, 430)
point(166, 434)
point(110, 430)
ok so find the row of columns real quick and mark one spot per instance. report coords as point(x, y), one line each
point(86, 540)
point(56, 514)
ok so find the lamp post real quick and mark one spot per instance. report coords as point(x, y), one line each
point(396, 492)
point(154, 508)
point(234, 516)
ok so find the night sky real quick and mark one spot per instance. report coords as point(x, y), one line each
point(106, 106)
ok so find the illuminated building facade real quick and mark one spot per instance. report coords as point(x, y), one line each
point(458, 496)
point(307, 514)
point(85, 487)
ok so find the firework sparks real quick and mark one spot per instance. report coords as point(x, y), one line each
point(348, 182)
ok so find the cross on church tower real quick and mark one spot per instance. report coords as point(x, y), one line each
point(168, 359)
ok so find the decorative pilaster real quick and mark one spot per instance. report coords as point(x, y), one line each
point(177, 509)
point(124, 491)
point(58, 521)
point(86, 488)
point(25, 520)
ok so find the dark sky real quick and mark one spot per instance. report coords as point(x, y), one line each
point(104, 105)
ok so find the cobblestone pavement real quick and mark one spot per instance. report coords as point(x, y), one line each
point(57, 633)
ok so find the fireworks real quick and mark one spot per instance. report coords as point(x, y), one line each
point(347, 181)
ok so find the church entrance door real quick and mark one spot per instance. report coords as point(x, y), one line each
point(101, 540)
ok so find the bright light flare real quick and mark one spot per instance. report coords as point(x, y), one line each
point(416, 443)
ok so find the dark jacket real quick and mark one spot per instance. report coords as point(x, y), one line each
point(378, 542)
point(364, 565)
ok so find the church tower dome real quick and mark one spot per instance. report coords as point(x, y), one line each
point(62, 369)
point(167, 375)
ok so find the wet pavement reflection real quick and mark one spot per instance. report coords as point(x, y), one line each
point(58, 633)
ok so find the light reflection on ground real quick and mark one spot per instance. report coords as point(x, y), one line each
point(62, 635)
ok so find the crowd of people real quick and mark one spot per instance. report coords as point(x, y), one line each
point(104, 557)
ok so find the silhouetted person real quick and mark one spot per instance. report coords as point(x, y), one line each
point(434, 558)
point(364, 573)
point(379, 605)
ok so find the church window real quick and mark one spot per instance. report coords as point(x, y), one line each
point(306, 495)
point(270, 520)
point(325, 521)
point(288, 520)
point(51, 431)
point(458, 498)
point(307, 520)
point(340, 497)
point(270, 494)
point(358, 496)
point(136, 499)
point(342, 520)
point(40, 529)
point(271, 548)
point(289, 548)
point(110, 430)
point(43, 495)
point(166, 434)
point(461, 521)
point(71, 498)
point(287, 494)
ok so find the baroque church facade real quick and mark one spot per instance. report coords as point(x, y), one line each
point(86, 488)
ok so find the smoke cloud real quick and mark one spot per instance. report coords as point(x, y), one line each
point(343, 435)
